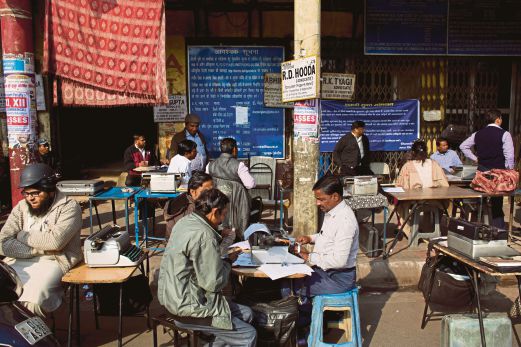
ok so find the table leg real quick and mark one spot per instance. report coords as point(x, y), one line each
point(113, 211)
point(386, 210)
point(95, 303)
point(281, 207)
point(480, 211)
point(77, 295)
point(474, 279)
point(120, 318)
point(126, 216)
point(136, 220)
point(511, 215)
point(71, 310)
point(90, 216)
point(400, 231)
point(97, 214)
point(144, 220)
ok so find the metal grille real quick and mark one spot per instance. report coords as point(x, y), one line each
point(462, 88)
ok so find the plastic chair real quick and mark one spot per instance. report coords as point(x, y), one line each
point(335, 320)
point(422, 212)
point(381, 168)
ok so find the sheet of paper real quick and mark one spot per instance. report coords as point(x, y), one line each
point(241, 244)
point(276, 271)
point(241, 115)
point(255, 227)
point(244, 260)
point(393, 190)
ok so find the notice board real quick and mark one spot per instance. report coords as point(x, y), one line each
point(391, 126)
point(226, 89)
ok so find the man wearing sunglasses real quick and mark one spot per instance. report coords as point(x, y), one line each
point(41, 239)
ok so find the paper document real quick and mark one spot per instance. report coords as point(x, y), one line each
point(241, 244)
point(241, 115)
point(393, 190)
point(244, 260)
point(276, 271)
point(255, 227)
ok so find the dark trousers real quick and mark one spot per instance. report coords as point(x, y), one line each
point(321, 282)
point(496, 204)
point(242, 334)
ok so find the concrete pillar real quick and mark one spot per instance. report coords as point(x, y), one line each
point(20, 92)
point(306, 154)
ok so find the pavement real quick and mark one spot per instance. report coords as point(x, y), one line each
point(390, 306)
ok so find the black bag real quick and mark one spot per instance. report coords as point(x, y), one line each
point(136, 296)
point(273, 317)
point(369, 240)
point(446, 290)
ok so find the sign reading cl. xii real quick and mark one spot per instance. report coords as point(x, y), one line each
point(299, 79)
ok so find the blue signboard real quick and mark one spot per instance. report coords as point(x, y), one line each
point(226, 89)
point(406, 27)
point(391, 126)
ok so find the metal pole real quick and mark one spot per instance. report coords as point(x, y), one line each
point(20, 91)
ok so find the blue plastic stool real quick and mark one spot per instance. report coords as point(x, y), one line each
point(344, 302)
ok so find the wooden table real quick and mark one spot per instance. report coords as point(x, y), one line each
point(256, 273)
point(82, 274)
point(422, 197)
point(473, 268)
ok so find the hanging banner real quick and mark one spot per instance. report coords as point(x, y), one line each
point(273, 91)
point(20, 109)
point(175, 111)
point(391, 126)
point(337, 86)
point(306, 120)
point(300, 79)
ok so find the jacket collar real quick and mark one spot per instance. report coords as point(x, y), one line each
point(226, 155)
point(203, 217)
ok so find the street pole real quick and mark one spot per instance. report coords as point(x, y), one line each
point(20, 93)
point(306, 153)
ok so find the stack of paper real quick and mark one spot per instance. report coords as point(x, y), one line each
point(276, 271)
point(241, 244)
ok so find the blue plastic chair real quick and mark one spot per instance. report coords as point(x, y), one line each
point(348, 300)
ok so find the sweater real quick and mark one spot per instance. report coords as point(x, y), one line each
point(61, 239)
point(409, 177)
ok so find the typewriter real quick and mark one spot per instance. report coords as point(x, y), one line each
point(162, 182)
point(361, 185)
point(111, 247)
point(270, 248)
point(478, 240)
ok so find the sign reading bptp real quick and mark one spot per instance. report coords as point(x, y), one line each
point(299, 79)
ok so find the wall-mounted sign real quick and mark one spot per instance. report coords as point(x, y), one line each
point(300, 79)
point(337, 86)
point(175, 111)
point(273, 91)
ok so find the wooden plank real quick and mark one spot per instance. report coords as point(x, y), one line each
point(254, 272)
point(82, 274)
point(440, 193)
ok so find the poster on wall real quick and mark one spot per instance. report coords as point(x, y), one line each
point(40, 93)
point(20, 109)
point(391, 126)
point(226, 88)
point(306, 120)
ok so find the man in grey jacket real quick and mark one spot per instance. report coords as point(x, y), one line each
point(41, 239)
point(193, 274)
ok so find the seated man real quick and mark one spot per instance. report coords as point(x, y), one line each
point(233, 179)
point(445, 157)
point(192, 275)
point(336, 245)
point(137, 156)
point(41, 239)
point(180, 163)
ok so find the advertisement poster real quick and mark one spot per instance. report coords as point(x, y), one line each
point(306, 120)
point(391, 126)
point(20, 109)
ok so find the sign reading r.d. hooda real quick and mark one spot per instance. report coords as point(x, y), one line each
point(337, 86)
point(299, 79)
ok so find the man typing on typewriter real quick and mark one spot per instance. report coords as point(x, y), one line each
point(336, 245)
point(193, 274)
point(41, 239)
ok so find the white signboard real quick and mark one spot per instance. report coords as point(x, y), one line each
point(273, 91)
point(299, 79)
point(175, 111)
point(40, 94)
point(337, 86)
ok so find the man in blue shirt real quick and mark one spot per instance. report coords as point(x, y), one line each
point(444, 156)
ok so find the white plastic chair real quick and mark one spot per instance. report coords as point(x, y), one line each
point(381, 168)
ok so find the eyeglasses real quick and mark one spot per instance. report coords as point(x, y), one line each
point(32, 194)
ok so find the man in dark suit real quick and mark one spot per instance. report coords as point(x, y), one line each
point(352, 152)
point(137, 155)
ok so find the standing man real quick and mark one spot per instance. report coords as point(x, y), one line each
point(41, 239)
point(494, 150)
point(447, 158)
point(336, 245)
point(193, 274)
point(232, 177)
point(352, 152)
point(191, 132)
point(137, 156)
